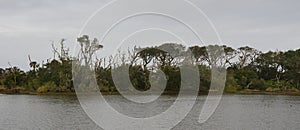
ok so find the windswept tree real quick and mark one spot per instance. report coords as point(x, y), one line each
point(247, 56)
point(88, 48)
point(200, 54)
point(216, 56)
point(230, 55)
point(175, 53)
point(213, 55)
point(147, 55)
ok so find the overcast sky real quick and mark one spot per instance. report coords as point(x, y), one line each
point(29, 27)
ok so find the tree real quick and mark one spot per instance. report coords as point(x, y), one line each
point(247, 55)
point(245, 76)
point(2, 76)
point(230, 54)
point(88, 49)
point(14, 77)
point(269, 65)
point(291, 65)
point(200, 54)
point(231, 83)
point(175, 52)
point(214, 56)
point(147, 55)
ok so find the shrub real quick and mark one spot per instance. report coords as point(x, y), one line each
point(43, 89)
point(293, 89)
point(48, 87)
point(269, 89)
point(103, 88)
point(17, 89)
point(34, 83)
point(230, 89)
point(258, 84)
point(2, 88)
point(276, 90)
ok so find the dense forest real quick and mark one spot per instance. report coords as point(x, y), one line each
point(248, 69)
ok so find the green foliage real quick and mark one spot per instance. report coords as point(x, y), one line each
point(2, 88)
point(48, 87)
point(139, 78)
point(34, 83)
point(244, 76)
point(104, 79)
point(257, 84)
point(231, 84)
point(230, 89)
point(293, 89)
point(173, 78)
point(275, 84)
point(205, 78)
point(199, 53)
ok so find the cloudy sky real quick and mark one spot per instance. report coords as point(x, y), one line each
point(29, 27)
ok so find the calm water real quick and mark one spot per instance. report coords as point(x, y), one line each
point(235, 112)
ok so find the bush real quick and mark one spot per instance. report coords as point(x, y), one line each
point(2, 88)
point(17, 89)
point(258, 84)
point(269, 89)
point(293, 89)
point(230, 89)
point(48, 87)
point(103, 88)
point(42, 89)
point(244, 76)
point(34, 83)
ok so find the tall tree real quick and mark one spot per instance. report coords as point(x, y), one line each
point(88, 48)
point(247, 55)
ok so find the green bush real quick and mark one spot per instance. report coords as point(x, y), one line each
point(258, 84)
point(42, 89)
point(48, 87)
point(230, 89)
point(103, 88)
point(34, 83)
point(2, 88)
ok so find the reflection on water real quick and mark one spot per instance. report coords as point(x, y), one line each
point(235, 112)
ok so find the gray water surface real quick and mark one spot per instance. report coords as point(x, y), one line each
point(253, 112)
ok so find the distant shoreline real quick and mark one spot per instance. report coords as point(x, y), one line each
point(242, 92)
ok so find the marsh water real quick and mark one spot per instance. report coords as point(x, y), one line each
point(234, 112)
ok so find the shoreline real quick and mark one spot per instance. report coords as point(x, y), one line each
point(243, 92)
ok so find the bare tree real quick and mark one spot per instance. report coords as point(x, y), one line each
point(88, 49)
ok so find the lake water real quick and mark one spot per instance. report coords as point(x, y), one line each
point(234, 112)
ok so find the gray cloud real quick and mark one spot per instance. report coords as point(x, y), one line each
point(263, 24)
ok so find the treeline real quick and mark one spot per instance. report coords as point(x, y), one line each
point(53, 76)
point(247, 68)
